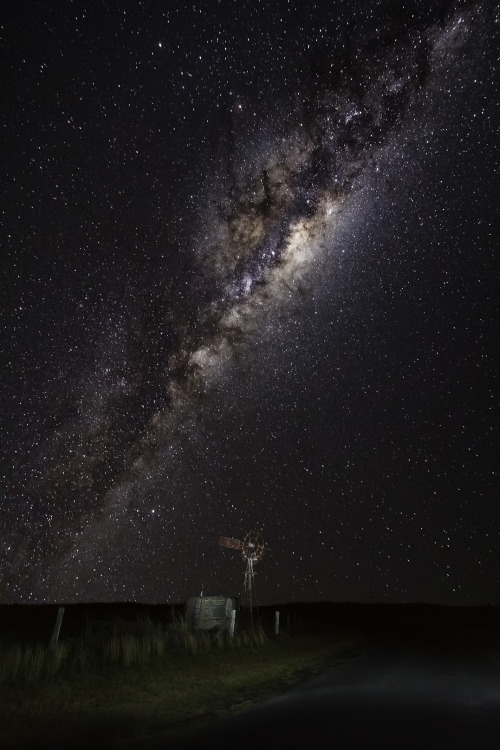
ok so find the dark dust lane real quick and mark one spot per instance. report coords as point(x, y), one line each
point(407, 692)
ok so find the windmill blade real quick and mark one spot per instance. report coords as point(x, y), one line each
point(227, 541)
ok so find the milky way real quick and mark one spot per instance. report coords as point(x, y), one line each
point(229, 387)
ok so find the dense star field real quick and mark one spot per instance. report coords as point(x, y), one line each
point(248, 258)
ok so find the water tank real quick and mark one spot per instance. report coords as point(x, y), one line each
point(210, 613)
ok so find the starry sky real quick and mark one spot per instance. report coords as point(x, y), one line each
point(249, 281)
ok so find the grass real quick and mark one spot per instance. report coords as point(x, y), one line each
point(149, 642)
point(148, 680)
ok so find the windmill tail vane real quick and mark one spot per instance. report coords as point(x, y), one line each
point(226, 541)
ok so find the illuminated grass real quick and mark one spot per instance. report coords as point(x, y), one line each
point(149, 642)
point(155, 681)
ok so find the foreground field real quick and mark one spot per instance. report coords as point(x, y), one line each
point(130, 701)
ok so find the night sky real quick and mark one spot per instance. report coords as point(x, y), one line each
point(249, 281)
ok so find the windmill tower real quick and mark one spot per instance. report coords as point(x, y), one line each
point(252, 548)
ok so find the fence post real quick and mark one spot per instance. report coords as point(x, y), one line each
point(233, 620)
point(57, 627)
point(276, 622)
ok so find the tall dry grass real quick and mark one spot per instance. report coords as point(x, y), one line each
point(130, 645)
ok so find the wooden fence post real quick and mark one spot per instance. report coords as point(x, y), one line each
point(57, 627)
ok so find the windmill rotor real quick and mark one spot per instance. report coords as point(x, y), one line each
point(253, 546)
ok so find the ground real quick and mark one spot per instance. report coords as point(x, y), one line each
point(133, 708)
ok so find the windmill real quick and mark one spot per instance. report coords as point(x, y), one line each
point(252, 548)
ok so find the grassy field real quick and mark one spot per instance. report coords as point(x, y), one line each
point(146, 681)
